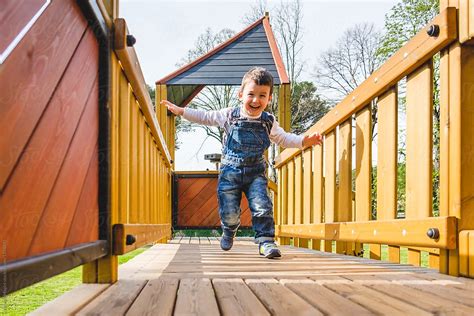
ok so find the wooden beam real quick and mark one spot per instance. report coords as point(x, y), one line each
point(131, 67)
point(392, 232)
point(413, 54)
point(143, 235)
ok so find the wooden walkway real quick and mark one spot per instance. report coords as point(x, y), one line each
point(193, 276)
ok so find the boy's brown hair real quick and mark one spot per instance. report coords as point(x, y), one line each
point(260, 76)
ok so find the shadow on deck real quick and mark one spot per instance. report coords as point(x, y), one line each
point(194, 276)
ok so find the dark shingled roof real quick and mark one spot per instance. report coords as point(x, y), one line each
point(227, 63)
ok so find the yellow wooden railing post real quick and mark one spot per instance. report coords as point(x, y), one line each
point(457, 143)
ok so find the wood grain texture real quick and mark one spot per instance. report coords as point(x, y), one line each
point(46, 51)
point(55, 222)
point(198, 203)
point(14, 16)
point(24, 199)
point(196, 296)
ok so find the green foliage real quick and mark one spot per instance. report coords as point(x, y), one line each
point(307, 107)
point(403, 21)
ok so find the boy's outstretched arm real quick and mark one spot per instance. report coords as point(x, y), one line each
point(173, 108)
point(312, 139)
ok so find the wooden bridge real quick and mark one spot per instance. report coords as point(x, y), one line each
point(87, 174)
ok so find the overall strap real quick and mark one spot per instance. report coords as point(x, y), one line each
point(267, 120)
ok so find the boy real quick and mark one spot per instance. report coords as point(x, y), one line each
point(248, 132)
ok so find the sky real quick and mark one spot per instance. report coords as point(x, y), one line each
point(166, 29)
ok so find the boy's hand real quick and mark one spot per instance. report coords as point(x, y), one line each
point(312, 140)
point(173, 108)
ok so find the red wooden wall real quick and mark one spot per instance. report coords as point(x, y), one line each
point(49, 131)
point(196, 202)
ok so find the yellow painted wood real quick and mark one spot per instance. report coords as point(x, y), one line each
point(387, 148)
point(419, 143)
point(363, 164)
point(299, 195)
point(375, 252)
point(466, 21)
point(412, 55)
point(344, 196)
point(284, 107)
point(392, 232)
point(141, 169)
point(318, 194)
point(444, 134)
point(394, 254)
point(132, 69)
point(307, 191)
point(147, 176)
point(414, 257)
point(125, 100)
point(419, 148)
point(134, 152)
point(330, 177)
point(298, 190)
point(433, 261)
point(291, 192)
point(284, 201)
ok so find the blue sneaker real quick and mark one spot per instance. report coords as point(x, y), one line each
point(269, 249)
point(226, 242)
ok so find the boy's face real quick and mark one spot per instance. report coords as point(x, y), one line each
point(255, 98)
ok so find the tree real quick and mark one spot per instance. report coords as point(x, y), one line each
point(353, 59)
point(307, 107)
point(403, 22)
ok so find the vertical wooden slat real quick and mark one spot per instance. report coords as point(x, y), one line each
point(141, 168)
point(298, 194)
point(330, 182)
point(147, 175)
point(419, 148)
point(363, 172)
point(387, 151)
point(307, 190)
point(284, 201)
point(344, 156)
point(419, 143)
point(444, 147)
point(291, 192)
point(124, 147)
point(363, 164)
point(134, 195)
point(318, 196)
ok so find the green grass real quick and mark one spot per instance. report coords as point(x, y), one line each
point(384, 255)
point(26, 300)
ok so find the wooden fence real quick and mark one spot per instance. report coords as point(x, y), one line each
point(317, 204)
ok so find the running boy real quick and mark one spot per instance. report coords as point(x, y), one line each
point(248, 132)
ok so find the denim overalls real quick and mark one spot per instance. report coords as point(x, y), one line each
point(243, 170)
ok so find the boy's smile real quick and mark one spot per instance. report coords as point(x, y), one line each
point(255, 98)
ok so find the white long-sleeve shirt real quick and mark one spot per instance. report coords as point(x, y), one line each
point(218, 118)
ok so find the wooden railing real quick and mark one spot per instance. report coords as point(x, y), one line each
point(140, 163)
point(315, 185)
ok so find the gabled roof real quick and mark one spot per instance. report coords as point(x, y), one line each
point(227, 63)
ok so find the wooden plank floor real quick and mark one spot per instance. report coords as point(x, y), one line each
point(193, 276)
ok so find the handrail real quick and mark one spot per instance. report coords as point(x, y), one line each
point(131, 67)
point(413, 54)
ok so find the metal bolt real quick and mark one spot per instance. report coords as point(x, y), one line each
point(131, 40)
point(130, 240)
point(433, 30)
point(433, 233)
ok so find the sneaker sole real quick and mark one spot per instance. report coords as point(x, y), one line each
point(273, 254)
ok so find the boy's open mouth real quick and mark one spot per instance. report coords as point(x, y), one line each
point(254, 106)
